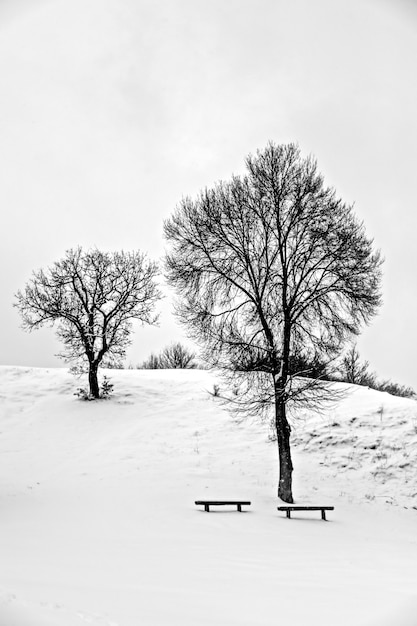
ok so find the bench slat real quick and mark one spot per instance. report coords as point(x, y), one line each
point(219, 502)
point(291, 507)
point(305, 508)
point(208, 503)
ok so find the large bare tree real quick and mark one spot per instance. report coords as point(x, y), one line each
point(272, 269)
point(93, 296)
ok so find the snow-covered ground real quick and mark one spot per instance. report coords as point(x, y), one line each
point(98, 523)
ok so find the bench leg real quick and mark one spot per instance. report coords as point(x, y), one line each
point(207, 508)
point(288, 513)
point(239, 508)
point(323, 514)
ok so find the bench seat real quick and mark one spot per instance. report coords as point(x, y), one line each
point(208, 503)
point(293, 507)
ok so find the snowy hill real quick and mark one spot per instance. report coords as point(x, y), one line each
point(366, 445)
point(98, 523)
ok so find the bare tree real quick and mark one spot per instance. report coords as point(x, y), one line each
point(153, 362)
point(355, 371)
point(93, 297)
point(268, 266)
point(177, 356)
point(174, 356)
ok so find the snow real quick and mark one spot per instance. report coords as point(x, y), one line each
point(98, 523)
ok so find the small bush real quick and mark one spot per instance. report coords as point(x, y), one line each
point(106, 390)
point(395, 389)
point(153, 362)
point(83, 394)
point(353, 370)
point(175, 356)
point(216, 391)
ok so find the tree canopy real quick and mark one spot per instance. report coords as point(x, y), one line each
point(93, 297)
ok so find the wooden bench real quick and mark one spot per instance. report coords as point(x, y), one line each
point(208, 503)
point(291, 507)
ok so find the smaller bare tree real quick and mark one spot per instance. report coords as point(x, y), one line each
point(175, 356)
point(93, 297)
point(354, 370)
point(153, 362)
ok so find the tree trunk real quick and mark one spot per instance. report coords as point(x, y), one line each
point(284, 452)
point(93, 380)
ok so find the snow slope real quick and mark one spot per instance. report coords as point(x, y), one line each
point(98, 523)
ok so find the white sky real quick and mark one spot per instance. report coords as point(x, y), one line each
point(112, 110)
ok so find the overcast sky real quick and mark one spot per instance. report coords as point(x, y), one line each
point(112, 110)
